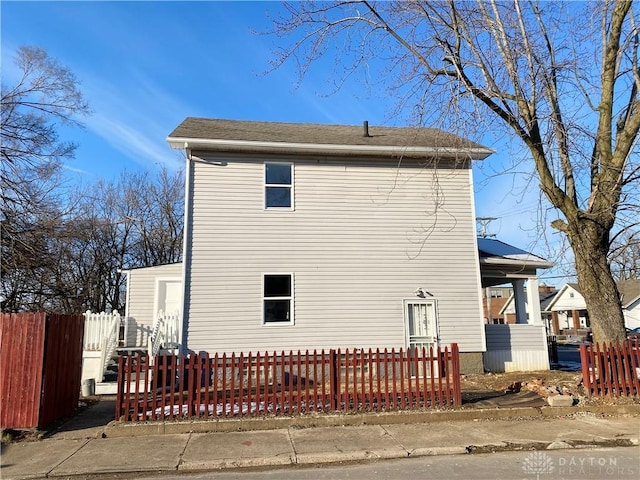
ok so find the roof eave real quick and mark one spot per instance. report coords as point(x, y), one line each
point(511, 262)
point(479, 153)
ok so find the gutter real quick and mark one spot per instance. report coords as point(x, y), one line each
point(326, 149)
point(523, 263)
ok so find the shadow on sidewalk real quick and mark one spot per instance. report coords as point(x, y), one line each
point(88, 422)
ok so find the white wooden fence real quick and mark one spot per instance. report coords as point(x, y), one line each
point(164, 334)
point(101, 336)
point(97, 327)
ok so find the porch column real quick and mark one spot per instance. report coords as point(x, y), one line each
point(520, 300)
point(555, 324)
point(576, 320)
point(533, 301)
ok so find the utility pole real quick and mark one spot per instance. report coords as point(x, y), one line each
point(484, 222)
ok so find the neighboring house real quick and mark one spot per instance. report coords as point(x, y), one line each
point(630, 298)
point(569, 308)
point(546, 294)
point(493, 301)
point(569, 315)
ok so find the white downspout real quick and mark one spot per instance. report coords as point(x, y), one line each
point(127, 296)
point(186, 252)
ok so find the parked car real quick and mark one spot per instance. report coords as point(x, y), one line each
point(633, 333)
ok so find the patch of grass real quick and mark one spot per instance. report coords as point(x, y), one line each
point(11, 435)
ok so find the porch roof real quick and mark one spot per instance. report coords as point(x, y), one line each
point(500, 262)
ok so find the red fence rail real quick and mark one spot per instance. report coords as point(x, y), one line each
point(286, 383)
point(611, 369)
point(40, 367)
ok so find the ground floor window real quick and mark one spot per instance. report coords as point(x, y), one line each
point(277, 298)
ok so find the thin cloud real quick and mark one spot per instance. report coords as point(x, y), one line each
point(135, 121)
point(75, 170)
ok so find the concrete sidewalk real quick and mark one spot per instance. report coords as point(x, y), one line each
point(132, 449)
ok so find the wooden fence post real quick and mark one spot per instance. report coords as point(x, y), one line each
point(334, 379)
point(119, 399)
point(455, 370)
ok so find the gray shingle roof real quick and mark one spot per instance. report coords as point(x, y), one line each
point(319, 134)
point(629, 290)
point(489, 248)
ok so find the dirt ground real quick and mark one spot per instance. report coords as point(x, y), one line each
point(545, 383)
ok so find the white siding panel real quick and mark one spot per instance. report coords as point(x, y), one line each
point(516, 361)
point(512, 348)
point(142, 291)
point(360, 240)
point(632, 315)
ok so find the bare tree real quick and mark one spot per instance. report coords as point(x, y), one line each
point(562, 78)
point(625, 256)
point(134, 221)
point(44, 95)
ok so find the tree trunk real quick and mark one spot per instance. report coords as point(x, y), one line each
point(590, 244)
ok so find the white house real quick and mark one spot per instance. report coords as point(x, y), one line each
point(570, 309)
point(630, 298)
point(303, 236)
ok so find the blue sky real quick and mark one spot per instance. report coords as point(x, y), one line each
point(145, 66)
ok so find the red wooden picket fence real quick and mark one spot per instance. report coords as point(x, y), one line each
point(40, 367)
point(282, 383)
point(611, 369)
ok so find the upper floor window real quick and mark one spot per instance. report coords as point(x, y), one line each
point(496, 293)
point(278, 180)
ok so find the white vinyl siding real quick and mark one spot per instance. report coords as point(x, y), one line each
point(363, 237)
point(142, 299)
point(516, 348)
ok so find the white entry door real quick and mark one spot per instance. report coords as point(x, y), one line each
point(420, 318)
point(169, 297)
point(421, 331)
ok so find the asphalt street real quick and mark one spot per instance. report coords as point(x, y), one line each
point(588, 464)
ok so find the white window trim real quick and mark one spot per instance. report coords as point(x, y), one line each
point(291, 187)
point(291, 299)
point(435, 328)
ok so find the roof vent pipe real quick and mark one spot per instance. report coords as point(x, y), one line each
point(365, 126)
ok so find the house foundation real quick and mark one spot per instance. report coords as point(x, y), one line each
point(471, 362)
